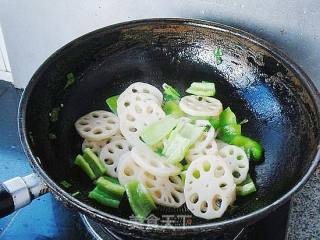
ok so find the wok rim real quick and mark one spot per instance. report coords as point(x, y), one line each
point(121, 222)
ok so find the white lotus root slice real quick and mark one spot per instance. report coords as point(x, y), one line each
point(209, 187)
point(152, 162)
point(136, 116)
point(97, 125)
point(237, 161)
point(204, 146)
point(95, 146)
point(166, 191)
point(125, 99)
point(200, 106)
point(112, 152)
point(140, 87)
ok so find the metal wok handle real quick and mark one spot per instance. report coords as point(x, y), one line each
point(19, 192)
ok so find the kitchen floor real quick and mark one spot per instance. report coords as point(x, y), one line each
point(46, 218)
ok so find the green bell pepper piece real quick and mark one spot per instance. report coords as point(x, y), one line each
point(170, 93)
point(96, 164)
point(112, 103)
point(112, 189)
point(172, 107)
point(140, 200)
point(227, 132)
point(246, 187)
point(81, 162)
point(104, 198)
point(227, 117)
point(252, 148)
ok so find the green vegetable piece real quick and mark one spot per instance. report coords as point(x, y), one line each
point(111, 179)
point(96, 164)
point(81, 162)
point(246, 187)
point(70, 80)
point(104, 198)
point(176, 148)
point(140, 200)
point(215, 122)
point(113, 189)
point(202, 89)
point(112, 103)
point(66, 184)
point(170, 93)
point(172, 107)
point(75, 194)
point(252, 148)
point(227, 117)
point(157, 131)
point(228, 132)
point(180, 140)
point(160, 151)
point(218, 55)
point(54, 114)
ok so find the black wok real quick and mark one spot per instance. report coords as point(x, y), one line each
point(255, 79)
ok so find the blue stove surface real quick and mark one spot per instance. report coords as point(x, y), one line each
point(44, 218)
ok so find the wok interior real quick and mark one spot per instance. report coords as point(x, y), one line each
point(253, 82)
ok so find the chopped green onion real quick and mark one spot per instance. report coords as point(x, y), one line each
point(65, 184)
point(246, 187)
point(172, 107)
point(104, 198)
point(202, 89)
point(112, 103)
point(70, 80)
point(82, 163)
point(140, 200)
point(96, 164)
point(157, 131)
point(113, 189)
point(227, 117)
point(244, 121)
point(252, 148)
point(218, 55)
point(170, 93)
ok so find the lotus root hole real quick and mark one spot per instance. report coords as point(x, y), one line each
point(216, 202)
point(219, 172)
point(133, 129)
point(130, 118)
point(119, 146)
point(206, 166)
point(108, 161)
point(128, 171)
point(196, 174)
point(239, 157)
point(204, 207)
point(138, 109)
point(236, 174)
point(83, 123)
point(158, 194)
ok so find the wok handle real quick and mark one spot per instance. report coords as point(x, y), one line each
point(19, 192)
